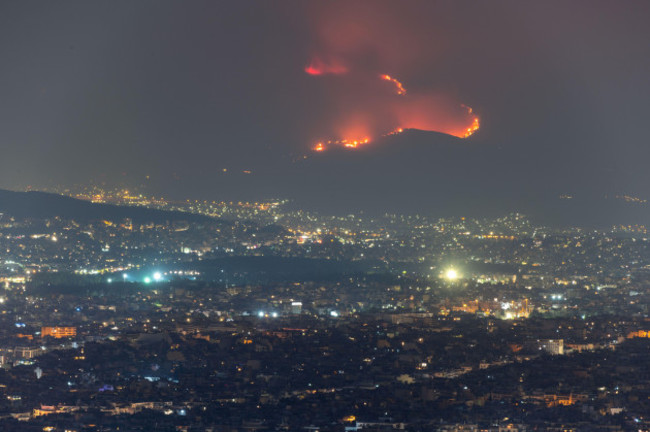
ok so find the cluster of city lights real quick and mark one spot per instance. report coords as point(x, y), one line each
point(154, 277)
point(262, 314)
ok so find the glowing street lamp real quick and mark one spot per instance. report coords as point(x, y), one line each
point(451, 274)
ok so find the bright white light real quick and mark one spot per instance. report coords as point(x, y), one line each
point(125, 276)
point(110, 280)
point(451, 274)
point(274, 314)
point(157, 276)
point(334, 314)
point(147, 280)
point(260, 314)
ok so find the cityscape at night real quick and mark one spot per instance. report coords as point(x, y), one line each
point(342, 216)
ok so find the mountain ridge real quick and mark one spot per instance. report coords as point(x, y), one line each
point(43, 205)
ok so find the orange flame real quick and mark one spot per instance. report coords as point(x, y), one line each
point(346, 143)
point(475, 123)
point(394, 132)
point(400, 88)
point(317, 66)
point(473, 128)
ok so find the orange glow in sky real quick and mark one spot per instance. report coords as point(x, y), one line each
point(429, 112)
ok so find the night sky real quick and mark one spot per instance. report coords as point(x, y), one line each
point(114, 92)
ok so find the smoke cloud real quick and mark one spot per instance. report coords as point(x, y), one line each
point(359, 52)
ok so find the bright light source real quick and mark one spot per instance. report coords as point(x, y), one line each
point(125, 276)
point(147, 280)
point(334, 314)
point(157, 276)
point(274, 314)
point(110, 280)
point(451, 274)
point(260, 314)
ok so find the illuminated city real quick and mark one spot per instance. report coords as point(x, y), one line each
point(256, 275)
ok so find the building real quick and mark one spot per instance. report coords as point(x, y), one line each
point(296, 308)
point(552, 346)
point(59, 332)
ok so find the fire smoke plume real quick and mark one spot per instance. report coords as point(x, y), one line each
point(361, 106)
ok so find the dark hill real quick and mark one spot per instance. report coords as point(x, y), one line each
point(42, 205)
point(267, 269)
point(443, 176)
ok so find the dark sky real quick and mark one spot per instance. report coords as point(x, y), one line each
point(178, 91)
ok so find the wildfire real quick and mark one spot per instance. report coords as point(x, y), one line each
point(475, 123)
point(394, 132)
point(351, 143)
point(413, 112)
point(473, 128)
point(318, 66)
point(399, 87)
point(347, 143)
point(354, 143)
